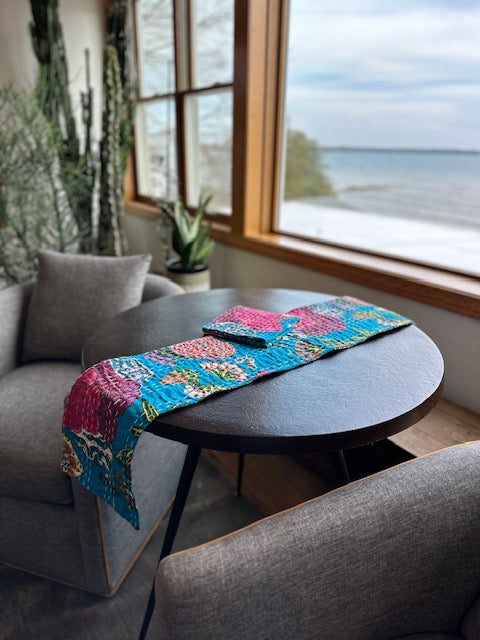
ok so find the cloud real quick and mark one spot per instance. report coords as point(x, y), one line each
point(414, 60)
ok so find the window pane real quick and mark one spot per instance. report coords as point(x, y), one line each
point(212, 42)
point(156, 47)
point(209, 148)
point(382, 142)
point(156, 149)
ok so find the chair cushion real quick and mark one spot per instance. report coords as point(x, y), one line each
point(74, 295)
point(32, 398)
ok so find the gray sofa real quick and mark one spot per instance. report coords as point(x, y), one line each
point(395, 555)
point(50, 525)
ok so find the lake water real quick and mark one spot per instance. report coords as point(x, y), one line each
point(422, 206)
point(441, 187)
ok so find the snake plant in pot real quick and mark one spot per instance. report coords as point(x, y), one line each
point(190, 239)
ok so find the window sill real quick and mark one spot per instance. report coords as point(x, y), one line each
point(443, 289)
point(446, 290)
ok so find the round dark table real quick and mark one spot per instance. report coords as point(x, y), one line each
point(346, 399)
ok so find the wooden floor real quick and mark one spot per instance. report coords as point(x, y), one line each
point(275, 483)
point(447, 425)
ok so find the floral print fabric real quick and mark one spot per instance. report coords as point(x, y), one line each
point(112, 402)
point(251, 326)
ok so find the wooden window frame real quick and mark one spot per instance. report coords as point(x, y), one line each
point(184, 88)
point(260, 33)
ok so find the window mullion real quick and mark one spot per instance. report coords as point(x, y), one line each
point(182, 44)
point(138, 52)
point(191, 48)
point(275, 63)
point(181, 67)
point(256, 82)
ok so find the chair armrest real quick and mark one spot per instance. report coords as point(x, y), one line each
point(389, 556)
point(13, 311)
point(157, 286)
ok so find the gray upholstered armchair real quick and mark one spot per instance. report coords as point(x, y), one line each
point(49, 525)
point(395, 555)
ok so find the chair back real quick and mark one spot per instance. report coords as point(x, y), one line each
point(394, 555)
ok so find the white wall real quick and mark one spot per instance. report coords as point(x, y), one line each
point(458, 337)
point(16, 58)
point(143, 237)
point(82, 28)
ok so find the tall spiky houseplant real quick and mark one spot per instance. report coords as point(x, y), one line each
point(117, 126)
point(34, 210)
point(76, 158)
point(79, 163)
point(51, 172)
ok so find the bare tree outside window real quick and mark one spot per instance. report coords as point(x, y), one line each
point(212, 42)
point(156, 47)
point(211, 148)
point(156, 124)
point(204, 52)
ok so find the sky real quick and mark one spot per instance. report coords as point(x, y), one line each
point(385, 73)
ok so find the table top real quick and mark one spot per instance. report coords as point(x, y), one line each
point(349, 398)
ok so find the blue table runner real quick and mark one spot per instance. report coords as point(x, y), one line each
point(112, 402)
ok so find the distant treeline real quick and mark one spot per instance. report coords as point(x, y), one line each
point(305, 172)
point(398, 150)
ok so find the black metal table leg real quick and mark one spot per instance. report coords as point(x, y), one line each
point(341, 466)
point(241, 460)
point(183, 488)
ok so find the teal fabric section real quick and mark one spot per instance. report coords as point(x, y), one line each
point(112, 402)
